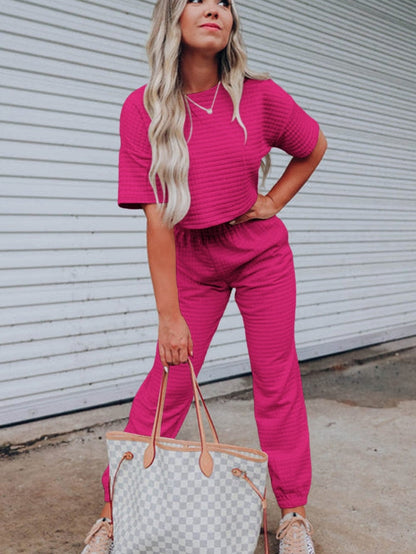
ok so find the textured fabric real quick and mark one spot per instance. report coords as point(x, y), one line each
point(256, 260)
point(223, 175)
point(294, 535)
point(172, 507)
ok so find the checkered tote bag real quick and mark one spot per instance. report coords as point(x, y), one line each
point(185, 497)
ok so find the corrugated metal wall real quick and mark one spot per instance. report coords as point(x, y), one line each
point(353, 227)
point(77, 315)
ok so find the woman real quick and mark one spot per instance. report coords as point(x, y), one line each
point(192, 142)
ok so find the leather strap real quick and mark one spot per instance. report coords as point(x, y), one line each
point(126, 456)
point(150, 452)
point(243, 475)
point(207, 414)
point(206, 462)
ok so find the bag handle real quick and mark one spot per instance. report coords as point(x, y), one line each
point(206, 463)
point(201, 398)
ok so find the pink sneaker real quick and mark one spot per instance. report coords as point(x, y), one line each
point(294, 535)
point(99, 539)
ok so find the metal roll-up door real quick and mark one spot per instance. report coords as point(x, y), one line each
point(353, 227)
point(76, 303)
point(78, 324)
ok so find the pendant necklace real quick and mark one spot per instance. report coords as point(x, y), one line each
point(207, 110)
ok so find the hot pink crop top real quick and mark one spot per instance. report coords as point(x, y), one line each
point(223, 172)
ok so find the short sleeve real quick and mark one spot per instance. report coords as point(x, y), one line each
point(294, 131)
point(135, 156)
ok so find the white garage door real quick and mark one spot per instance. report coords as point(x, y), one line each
point(77, 323)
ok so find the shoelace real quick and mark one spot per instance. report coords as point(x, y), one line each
point(291, 531)
point(97, 527)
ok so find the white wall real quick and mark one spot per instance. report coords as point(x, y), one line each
point(353, 227)
point(77, 320)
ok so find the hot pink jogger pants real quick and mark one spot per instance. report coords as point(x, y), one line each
point(255, 259)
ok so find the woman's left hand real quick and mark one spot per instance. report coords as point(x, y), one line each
point(264, 208)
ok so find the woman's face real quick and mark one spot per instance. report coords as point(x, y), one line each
point(206, 25)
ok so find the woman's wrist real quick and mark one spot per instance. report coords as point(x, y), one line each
point(275, 205)
point(169, 313)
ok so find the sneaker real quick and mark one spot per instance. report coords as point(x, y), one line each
point(294, 535)
point(99, 540)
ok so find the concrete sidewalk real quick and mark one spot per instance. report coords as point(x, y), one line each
point(362, 413)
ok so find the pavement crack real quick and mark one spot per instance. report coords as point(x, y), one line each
point(10, 450)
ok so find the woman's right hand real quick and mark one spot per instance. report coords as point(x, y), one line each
point(175, 342)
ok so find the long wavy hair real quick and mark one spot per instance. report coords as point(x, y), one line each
point(165, 104)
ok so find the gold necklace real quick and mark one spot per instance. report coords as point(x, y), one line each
point(207, 110)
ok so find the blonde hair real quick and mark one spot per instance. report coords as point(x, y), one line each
point(164, 101)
